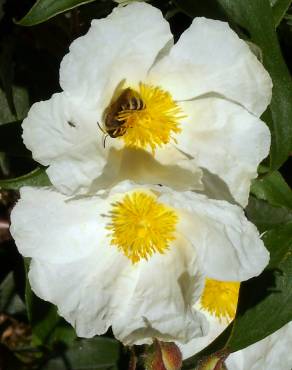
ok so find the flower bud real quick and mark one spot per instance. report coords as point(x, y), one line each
point(163, 356)
point(213, 362)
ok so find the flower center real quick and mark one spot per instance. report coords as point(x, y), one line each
point(220, 298)
point(140, 226)
point(152, 121)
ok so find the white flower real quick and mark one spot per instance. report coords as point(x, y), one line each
point(195, 103)
point(218, 304)
point(133, 258)
point(272, 352)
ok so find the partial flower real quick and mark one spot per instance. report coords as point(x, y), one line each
point(213, 362)
point(218, 304)
point(126, 87)
point(272, 352)
point(133, 258)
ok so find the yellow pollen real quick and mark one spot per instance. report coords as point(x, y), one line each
point(140, 226)
point(220, 298)
point(155, 124)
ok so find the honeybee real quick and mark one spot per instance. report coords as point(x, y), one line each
point(128, 100)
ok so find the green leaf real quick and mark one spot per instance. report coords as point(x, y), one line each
point(4, 165)
point(266, 216)
point(206, 8)
point(37, 177)
point(257, 18)
point(274, 189)
point(265, 302)
point(7, 71)
point(280, 8)
point(45, 9)
point(9, 299)
point(288, 18)
point(63, 333)
point(98, 353)
point(14, 100)
point(5, 263)
point(20, 99)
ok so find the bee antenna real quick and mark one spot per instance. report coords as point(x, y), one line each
point(101, 129)
point(104, 139)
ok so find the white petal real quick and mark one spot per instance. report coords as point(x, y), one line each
point(226, 140)
point(105, 289)
point(121, 46)
point(51, 227)
point(160, 306)
point(197, 344)
point(272, 352)
point(209, 57)
point(62, 132)
point(87, 291)
point(229, 247)
point(188, 175)
point(143, 168)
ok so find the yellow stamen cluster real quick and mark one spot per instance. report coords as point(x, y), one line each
point(155, 124)
point(140, 226)
point(220, 298)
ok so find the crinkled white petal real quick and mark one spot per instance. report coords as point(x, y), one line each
point(54, 228)
point(226, 140)
point(197, 344)
point(188, 175)
point(88, 291)
point(121, 46)
point(105, 289)
point(272, 352)
point(141, 167)
point(210, 57)
point(62, 133)
point(215, 188)
point(161, 302)
point(229, 247)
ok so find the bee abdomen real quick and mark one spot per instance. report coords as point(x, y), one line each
point(134, 103)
